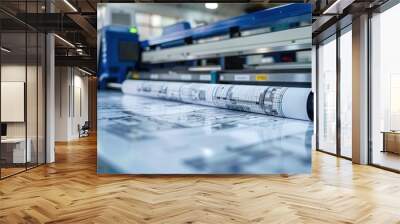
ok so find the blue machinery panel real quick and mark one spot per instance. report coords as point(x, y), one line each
point(112, 68)
point(113, 65)
point(287, 14)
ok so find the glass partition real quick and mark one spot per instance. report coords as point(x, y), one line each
point(14, 144)
point(41, 97)
point(40, 7)
point(22, 77)
point(32, 98)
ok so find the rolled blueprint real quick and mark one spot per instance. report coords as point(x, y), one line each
point(289, 102)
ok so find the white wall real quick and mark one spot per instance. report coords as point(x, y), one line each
point(13, 101)
point(80, 104)
point(17, 73)
point(14, 72)
point(62, 82)
point(71, 102)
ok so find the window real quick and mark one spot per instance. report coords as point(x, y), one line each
point(346, 92)
point(385, 89)
point(327, 95)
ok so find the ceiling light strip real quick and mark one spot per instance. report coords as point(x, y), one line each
point(64, 40)
point(84, 71)
point(5, 50)
point(327, 11)
point(70, 5)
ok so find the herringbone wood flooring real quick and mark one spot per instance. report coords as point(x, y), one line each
point(69, 191)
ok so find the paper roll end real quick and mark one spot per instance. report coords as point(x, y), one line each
point(310, 106)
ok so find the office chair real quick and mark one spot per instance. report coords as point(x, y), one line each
point(84, 130)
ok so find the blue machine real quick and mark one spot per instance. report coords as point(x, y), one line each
point(291, 14)
point(122, 52)
point(119, 53)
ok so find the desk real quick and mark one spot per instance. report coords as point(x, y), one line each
point(13, 150)
point(391, 141)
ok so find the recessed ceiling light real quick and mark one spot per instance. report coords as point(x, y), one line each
point(211, 5)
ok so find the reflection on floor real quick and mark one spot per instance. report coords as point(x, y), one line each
point(144, 135)
point(10, 171)
point(386, 159)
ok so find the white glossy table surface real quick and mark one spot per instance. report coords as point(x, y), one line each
point(139, 135)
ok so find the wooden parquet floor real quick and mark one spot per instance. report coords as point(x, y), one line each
point(70, 191)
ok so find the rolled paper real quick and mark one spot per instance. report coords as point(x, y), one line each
point(280, 101)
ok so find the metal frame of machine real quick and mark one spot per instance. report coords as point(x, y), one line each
point(286, 40)
point(273, 17)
